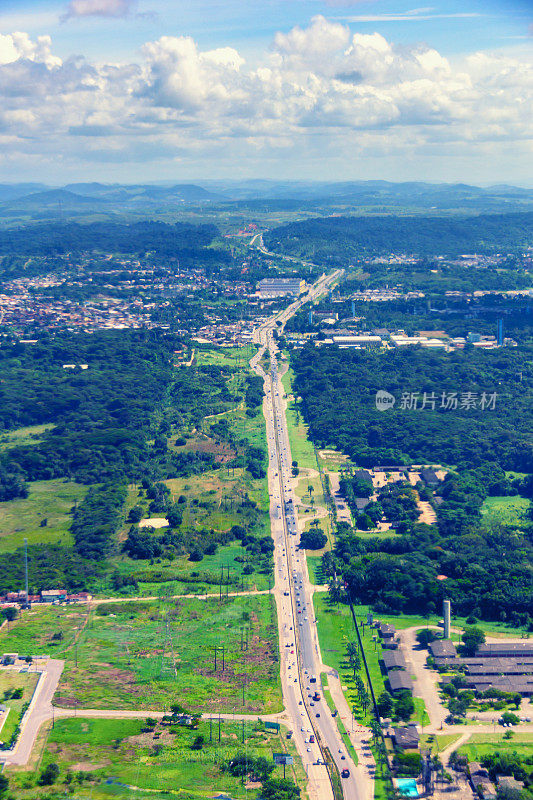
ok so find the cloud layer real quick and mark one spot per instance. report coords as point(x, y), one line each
point(321, 92)
point(98, 8)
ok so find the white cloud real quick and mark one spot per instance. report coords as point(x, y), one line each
point(98, 8)
point(321, 92)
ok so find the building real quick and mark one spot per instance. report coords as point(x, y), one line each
point(443, 648)
point(357, 340)
point(394, 659)
point(53, 595)
point(430, 477)
point(406, 737)
point(400, 681)
point(481, 783)
point(279, 287)
point(502, 649)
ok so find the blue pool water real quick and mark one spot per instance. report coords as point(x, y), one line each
point(407, 787)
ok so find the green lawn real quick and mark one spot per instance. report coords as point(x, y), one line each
point(11, 680)
point(125, 752)
point(47, 500)
point(480, 744)
point(150, 654)
point(438, 743)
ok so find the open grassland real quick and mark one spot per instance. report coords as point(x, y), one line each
point(10, 682)
point(507, 509)
point(215, 500)
point(220, 356)
point(221, 572)
point(32, 434)
point(438, 743)
point(101, 759)
point(481, 744)
point(47, 500)
point(153, 654)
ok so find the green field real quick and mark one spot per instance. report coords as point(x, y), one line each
point(438, 743)
point(508, 509)
point(151, 654)
point(47, 500)
point(23, 436)
point(481, 744)
point(103, 759)
point(11, 680)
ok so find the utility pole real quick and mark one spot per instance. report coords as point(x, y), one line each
point(26, 569)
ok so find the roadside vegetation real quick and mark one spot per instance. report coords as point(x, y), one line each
point(97, 758)
point(131, 655)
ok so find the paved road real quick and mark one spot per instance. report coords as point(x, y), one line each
point(300, 656)
point(39, 711)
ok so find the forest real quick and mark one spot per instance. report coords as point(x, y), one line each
point(338, 389)
point(414, 572)
point(338, 241)
point(101, 415)
point(179, 240)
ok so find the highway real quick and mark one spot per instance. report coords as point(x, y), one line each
point(314, 727)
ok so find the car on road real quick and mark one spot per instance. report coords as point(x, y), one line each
point(345, 773)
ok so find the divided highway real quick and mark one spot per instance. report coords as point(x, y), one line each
point(314, 727)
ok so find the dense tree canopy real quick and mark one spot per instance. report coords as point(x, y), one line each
point(338, 389)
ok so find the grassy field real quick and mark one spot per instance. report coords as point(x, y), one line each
point(335, 630)
point(11, 680)
point(50, 500)
point(23, 436)
point(480, 744)
point(152, 654)
point(214, 501)
point(101, 759)
point(510, 509)
point(438, 743)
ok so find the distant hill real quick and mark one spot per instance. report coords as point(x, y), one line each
point(376, 193)
point(252, 196)
point(338, 240)
point(183, 192)
point(56, 199)
point(12, 191)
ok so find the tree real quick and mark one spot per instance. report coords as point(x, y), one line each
point(10, 614)
point(280, 789)
point(198, 743)
point(473, 637)
point(425, 636)
point(385, 704)
point(313, 540)
point(404, 706)
point(4, 784)
point(135, 515)
point(49, 775)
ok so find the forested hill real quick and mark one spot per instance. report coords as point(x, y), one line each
point(180, 240)
point(340, 240)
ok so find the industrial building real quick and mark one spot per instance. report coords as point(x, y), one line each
point(279, 287)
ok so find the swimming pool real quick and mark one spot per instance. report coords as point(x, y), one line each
point(407, 787)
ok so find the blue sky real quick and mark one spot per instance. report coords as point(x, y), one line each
point(266, 88)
